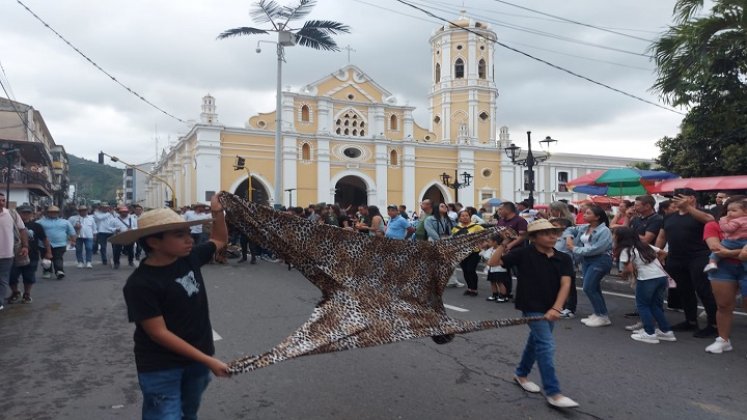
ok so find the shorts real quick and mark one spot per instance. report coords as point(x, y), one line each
point(499, 277)
point(730, 272)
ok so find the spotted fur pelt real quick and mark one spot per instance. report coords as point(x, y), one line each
point(374, 290)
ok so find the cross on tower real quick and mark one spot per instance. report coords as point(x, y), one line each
point(349, 50)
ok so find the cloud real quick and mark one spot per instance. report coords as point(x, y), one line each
point(167, 51)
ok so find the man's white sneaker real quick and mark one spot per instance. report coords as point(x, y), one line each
point(599, 321)
point(79, 265)
point(588, 318)
point(644, 337)
point(719, 346)
point(665, 336)
point(634, 327)
point(89, 265)
point(567, 314)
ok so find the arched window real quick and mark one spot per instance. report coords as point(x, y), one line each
point(438, 72)
point(350, 124)
point(481, 69)
point(459, 69)
point(306, 152)
point(393, 158)
point(305, 113)
point(393, 122)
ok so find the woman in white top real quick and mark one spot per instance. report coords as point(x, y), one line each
point(640, 262)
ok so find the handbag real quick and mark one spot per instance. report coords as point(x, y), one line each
point(18, 259)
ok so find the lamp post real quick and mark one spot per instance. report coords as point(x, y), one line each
point(240, 165)
point(285, 39)
point(456, 185)
point(171, 203)
point(530, 161)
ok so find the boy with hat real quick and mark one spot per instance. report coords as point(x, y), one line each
point(543, 282)
point(60, 233)
point(166, 299)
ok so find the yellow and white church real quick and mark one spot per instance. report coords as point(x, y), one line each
point(346, 140)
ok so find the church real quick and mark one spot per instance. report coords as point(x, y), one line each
point(346, 140)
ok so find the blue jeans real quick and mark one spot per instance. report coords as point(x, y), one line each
point(594, 269)
point(540, 348)
point(6, 264)
point(80, 245)
point(101, 239)
point(173, 394)
point(649, 300)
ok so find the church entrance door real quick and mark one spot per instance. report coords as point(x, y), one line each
point(351, 190)
point(435, 195)
point(258, 192)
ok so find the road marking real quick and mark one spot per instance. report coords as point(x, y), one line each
point(455, 308)
point(216, 336)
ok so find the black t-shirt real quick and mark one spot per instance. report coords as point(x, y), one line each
point(538, 278)
point(36, 239)
point(177, 293)
point(684, 236)
point(651, 223)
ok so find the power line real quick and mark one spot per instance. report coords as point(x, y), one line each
point(20, 115)
point(12, 95)
point(541, 33)
point(139, 96)
point(630, 95)
point(573, 21)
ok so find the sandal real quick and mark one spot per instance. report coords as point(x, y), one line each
point(26, 298)
point(14, 297)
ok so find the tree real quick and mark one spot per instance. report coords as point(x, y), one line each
point(702, 63)
point(315, 34)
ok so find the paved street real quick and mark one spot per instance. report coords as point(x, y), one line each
point(69, 356)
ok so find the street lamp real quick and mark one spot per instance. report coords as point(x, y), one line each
point(456, 185)
point(171, 203)
point(285, 39)
point(240, 165)
point(513, 151)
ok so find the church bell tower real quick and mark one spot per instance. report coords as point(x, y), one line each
point(463, 97)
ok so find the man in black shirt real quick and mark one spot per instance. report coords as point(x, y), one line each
point(166, 299)
point(688, 254)
point(543, 282)
point(647, 223)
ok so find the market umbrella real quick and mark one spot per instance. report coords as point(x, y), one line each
point(619, 182)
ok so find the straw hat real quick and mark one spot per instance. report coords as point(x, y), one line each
point(82, 207)
point(53, 209)
point(154, 221)
point(541, 224)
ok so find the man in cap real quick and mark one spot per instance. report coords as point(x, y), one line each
point(9, 223)
point(166, 298)
point(85, 231)
point(118, 224)
point(36, 236)
point(543, 283)
point(59, 232)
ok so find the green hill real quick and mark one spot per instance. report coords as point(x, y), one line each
point(94, 181)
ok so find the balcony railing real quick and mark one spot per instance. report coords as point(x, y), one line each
point(24, 176)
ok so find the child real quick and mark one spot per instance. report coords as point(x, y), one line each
point(640, 261)
point(542, 287)
point(497, 275)
point(734, 227)
point(166, 299)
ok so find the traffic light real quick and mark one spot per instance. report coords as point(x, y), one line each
point(101, 158)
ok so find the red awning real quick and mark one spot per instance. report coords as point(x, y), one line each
point(711, 183)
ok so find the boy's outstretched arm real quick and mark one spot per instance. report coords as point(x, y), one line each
point(156, 329)
point(219, 232)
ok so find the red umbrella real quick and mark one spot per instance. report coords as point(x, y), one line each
point(600, 200)
point(711, 183)
point(586, 179)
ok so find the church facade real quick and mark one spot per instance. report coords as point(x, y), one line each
point(346, 140)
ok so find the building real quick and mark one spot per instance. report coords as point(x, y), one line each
point(34, 168)
point(346, 140)
point(134, 183)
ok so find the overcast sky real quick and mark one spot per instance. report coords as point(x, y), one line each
point(167, 51)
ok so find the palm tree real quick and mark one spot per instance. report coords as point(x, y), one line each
point(315, 34)
point(701, 55)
